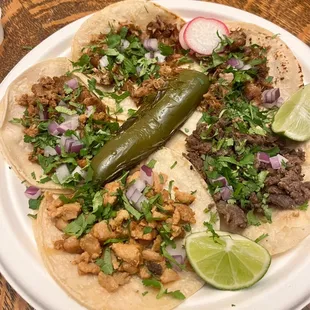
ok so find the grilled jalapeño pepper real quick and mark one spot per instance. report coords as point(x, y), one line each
point(153, 127)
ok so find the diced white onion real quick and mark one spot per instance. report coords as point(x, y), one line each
point(62, 173)
point(104, 61)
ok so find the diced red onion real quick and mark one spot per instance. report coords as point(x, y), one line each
point(226, 192)
point(33, 192)
point(124, 44)
point(62, 104)
point(139, 184)
point(236, 63)
point(62, 173)
point(263, 157)
point(222, 180)
point(279, 102)
point(80, 171)
point(151, 44)
point(246, 67)
point(43, 115)
point(160, 58)
point(140, 202)
point(146, 174)
point(49, 151)
point(131, 189)
point(53, 128)
point(68, 145)
point(71, 123)
point(270, 95)
point(104, 61)
point(73, 83)
point(89, 110)
point(276, 161)
point(76, 147)
point(136, 196)
point(58, 149)
point(149, 55)
point(180, 260)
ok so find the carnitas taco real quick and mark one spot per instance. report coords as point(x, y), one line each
point(121, 246)
point(52, 126)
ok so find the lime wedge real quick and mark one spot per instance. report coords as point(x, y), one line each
point(293, 118)
point(230, 262)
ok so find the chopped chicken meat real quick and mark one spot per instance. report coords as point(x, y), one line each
point(186, 213)
point(110, 194)
point(91, 245)
point(129, 253)
point(102, 231)
point(169, 275)
point(150, 255)
point(183, 197)
point(88, 268)
point(72, 245)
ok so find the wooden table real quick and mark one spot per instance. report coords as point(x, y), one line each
point(28, 22)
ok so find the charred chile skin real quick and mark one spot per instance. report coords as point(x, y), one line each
point(154, 128)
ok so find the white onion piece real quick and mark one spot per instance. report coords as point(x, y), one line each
point(276, 161)
point(104, 61)
point(80, 171)
point(62, 173)
point(179, 249)
point(33, 192)
point(124, 44)
point(136, 196)
point(160, 58)
point(146, 174)
point(71, 123)
point(63, 140)
point(149, 55)
point(246, 67)
point(89, 110)
point(151, 44)
point(49, 151)
point(180, 260)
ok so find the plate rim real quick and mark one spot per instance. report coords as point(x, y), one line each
point(26, 62)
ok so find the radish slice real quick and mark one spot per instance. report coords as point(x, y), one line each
point(181, 37)
point(201, 34)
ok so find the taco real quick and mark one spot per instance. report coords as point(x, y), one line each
point(128, 55)
point(115, 256)
point(256, 177)
point(52, 125)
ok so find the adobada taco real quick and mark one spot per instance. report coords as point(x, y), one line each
point(52, 125)
point(111, 256)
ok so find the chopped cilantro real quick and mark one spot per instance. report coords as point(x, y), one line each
point(252, 219)
point(131, 112)
point(165, 50)
point(114, 241)
point(170, 258)
point(147, 230)
point(33, 175)
point(261, 237)
point(65, 110)
point(162, 291)
point(34, 204)
point(80, 225)
point(170, 187)
point(33, 216)
point(304, 207)
point(173, 165)
point(97, 201)
point(211, 230)
point(151, 163)
point(161, 179)
point(144, 293)
point(136, 214)
point(105, 263)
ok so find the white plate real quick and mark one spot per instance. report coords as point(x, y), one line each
point(287, 283)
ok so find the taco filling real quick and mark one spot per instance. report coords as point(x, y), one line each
point(135, 63)
point(249, 169)
point(129, 227)
point(66, 125)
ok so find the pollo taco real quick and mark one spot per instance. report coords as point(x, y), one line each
point(108, 254)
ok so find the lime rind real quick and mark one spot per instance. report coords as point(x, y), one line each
point(233, 264)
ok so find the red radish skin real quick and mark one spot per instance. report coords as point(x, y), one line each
point(181, 37)
point(200, 35)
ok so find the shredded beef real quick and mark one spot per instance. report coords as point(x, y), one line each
point(239, 38)
point(281, 201)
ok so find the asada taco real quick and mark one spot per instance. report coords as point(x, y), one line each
point(52, 125)
point(115, 256)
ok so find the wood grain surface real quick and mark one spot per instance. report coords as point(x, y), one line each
point(28, 22)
